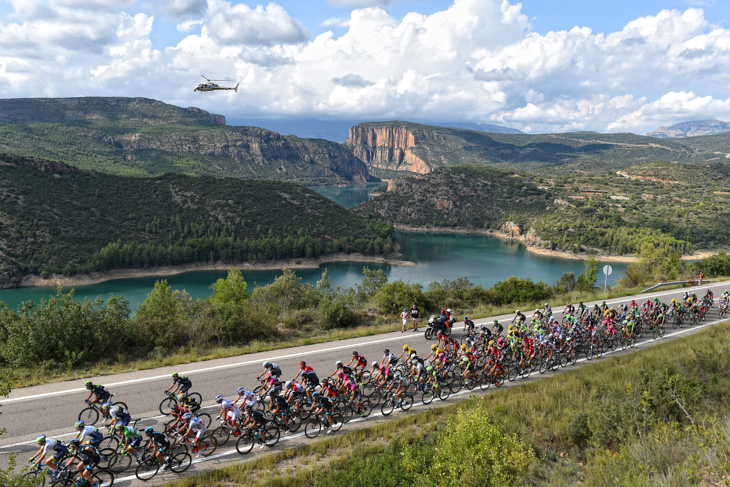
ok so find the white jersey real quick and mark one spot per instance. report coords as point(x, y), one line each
point(227, 405)
point(87, 431)
point(196, 424)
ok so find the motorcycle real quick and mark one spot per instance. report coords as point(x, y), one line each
point(435, 325)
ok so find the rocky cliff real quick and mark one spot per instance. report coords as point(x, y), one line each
point(386, 147)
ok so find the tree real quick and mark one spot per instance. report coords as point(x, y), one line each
point(232, 289)
point(161, 317)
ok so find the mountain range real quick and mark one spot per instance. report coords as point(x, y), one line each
point(691, 129)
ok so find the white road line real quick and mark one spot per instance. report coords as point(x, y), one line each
point(292, 355)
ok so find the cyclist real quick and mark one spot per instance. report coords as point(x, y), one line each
point(194, 427)
point(279, 408)
point(406, 353)
point(249, 398)
point(352, 393)
point(88, 434)
point(468, 325)
point(255, 420)
point(519, 317)
point(360, 362)
point(45, 445)
point(98, 391)
point(228, 412)
point(323, 405)
point(273, 386)
point(381, 374)
point(389, 358)
point(498, 328)
point(270, 368)
point(180, 384)
point(294, 393)
point(88, 458)
point(160, 444)
point(402, 383)
point(117, 414)
point(131, 439)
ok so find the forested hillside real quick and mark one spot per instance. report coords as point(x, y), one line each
point(55, 218)
point(678, 207)
point(143, 137)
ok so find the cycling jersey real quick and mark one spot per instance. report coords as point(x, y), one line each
point(93, 434)
point(196, 424)
point(160, 439)
point(259, 417)
point(275, 370)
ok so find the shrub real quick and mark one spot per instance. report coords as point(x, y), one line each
point(516, 290)
point(392, 297)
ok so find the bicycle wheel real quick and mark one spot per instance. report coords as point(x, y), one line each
point(222, 434)
point(367, 408)
point(512, 374)
point(271, 435)
point(456, 384)
point(294, 422)
point(109, 442)
point(312, 428)
point(206, 418)
point(387, 407)
point(527, 371)
point(499, 378)
point(485, 382)
point(102, 478)
point(181, 462)
point(444, 393)
point(208, 445)
point(563, 359)
point(660, 332)
point(406, 403)
point(245, 443)
point(337, 421)
point(107, 456)
point(196, 397)
point(120, 463)
point(544, 365)
point(147, 469)
point(89, 415)
point(427, 396)
point(166, 405)
point(120, 403)
point(37, 477)
point(573, 357)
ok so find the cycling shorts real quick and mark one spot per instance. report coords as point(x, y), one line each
point(60, 454)
point(135, 443)
point(185, 386)
point(94, 439)
point(124, 419)
point(90, 460)
point(233, 414)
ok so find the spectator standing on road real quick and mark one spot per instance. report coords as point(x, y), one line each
point(404, 316)
point(415, 317)
point(702, 275)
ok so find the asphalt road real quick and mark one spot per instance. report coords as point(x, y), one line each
point(52, 409)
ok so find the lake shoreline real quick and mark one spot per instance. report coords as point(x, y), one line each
point(166, 271)
point(624, 259)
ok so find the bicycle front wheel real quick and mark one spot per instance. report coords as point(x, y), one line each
point(89, 415)
point(245, 443)
point(208, 445)
point(181, 462)
point(147, 469)
point(312, 428)
point(272, 435)
point(387, 407)
point(166, 405)
point(102, 478)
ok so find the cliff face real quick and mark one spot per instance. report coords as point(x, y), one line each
point(386, 147)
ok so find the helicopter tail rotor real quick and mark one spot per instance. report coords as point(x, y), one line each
point(236, 87)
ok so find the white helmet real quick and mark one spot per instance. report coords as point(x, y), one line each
point(339, 362)
point(288, 384)
point(448, 310)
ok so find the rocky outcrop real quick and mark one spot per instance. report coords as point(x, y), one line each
point(691, 129)
point(389, 147)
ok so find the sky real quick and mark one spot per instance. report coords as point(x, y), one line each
point(535, 65)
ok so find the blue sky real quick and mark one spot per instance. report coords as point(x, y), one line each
point(536, 65)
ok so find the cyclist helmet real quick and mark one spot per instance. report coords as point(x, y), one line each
point(405, 347)
point(466, 318)
point(302, 363)
point(267, 364)
point(491, 342)
point(248, 407)
point(219, 398)
point(496, 322)
point(175, 375)
point(375, 365)
point(546, 304)
point(88, 384)
point(40, 439)
point(433, 347)
point(187, 416)
point(386, 351)
point(240, 391)
point(289, 384)
point(355, 354)
point(74, 443)
point(414, 356)
point(448, 310)
point(148, 431)
point(338, 364)
point(429, 368)
point(517, 311)
point(106, 405)
point(463, 346)
point(79, 424)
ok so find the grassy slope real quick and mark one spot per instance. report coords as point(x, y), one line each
point(653, 417)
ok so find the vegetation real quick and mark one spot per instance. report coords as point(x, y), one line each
point(610, 213)
point(658, 417)
point(57, 219)
point(142, 137)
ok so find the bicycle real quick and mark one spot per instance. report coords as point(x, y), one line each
point(40, 473)
point(148, 467)
point(391, 402)
point(100, 477)
point(174, 400)
point(314, 427)
point(206, 447)
point(90, 414)
point(268, 436)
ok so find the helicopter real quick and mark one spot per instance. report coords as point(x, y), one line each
point(209, 86)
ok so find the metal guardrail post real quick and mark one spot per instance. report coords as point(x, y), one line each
point(690, 282)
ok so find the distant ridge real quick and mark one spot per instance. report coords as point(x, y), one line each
point(691, 129)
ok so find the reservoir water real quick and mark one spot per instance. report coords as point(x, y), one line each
point(483, 260)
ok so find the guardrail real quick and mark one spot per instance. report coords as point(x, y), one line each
point(691, 282)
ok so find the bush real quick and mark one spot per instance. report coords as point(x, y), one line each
point(162, 318)
point(392, 297)
point(336, 312)
point(516, 290)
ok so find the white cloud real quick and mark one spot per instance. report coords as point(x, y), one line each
point(358, 3)
point(334, 22)
point(476, 60)
point(240, 24)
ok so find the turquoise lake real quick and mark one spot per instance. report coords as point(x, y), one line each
point(483, 260)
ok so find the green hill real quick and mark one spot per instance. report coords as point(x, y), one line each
point(59, 219)
point(607, 212)
point(143, 137)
